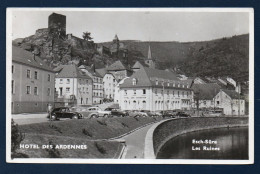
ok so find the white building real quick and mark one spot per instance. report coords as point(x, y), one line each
point(231, 102)
point(98, 90)
point(109, 84)
point(72, 86)
point(152, 89)
point(204, 95)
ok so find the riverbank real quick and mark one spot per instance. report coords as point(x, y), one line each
point(163, 131)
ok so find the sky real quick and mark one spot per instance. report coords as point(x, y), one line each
point(137, 25)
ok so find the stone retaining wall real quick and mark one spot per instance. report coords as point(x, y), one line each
point(163, 131)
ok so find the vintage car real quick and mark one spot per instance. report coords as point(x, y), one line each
point(64, 112)
point(116, 112)
point(95, 112)
point(182, 114)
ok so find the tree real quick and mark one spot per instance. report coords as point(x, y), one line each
point(17, 137)
point(86, 36)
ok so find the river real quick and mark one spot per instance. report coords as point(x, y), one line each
point(222, 143)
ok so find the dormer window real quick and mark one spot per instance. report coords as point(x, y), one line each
point(168, 84)
point(156, 82)
point(134, 81)
point(173, 85)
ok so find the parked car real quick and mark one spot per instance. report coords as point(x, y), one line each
point(133, 113)
point(169, 114)
point(148, 113)
point(118, 113)
point(182, 114)
point(64, 112)
point(157, 113)
point(95, 112)
point(215, 113)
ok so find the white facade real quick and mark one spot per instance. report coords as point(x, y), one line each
point(154, 99)
point(81, 88)
point(230, 105)
point(109, 84)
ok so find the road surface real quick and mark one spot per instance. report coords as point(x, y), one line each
point(135, 143)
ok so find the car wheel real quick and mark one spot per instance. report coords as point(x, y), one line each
point(74, 117)
point(94, 116)
point(53, 117)
point(105, 115)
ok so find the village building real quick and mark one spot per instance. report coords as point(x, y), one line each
point(231, 102)
point(119, 70)
point(98, 89)
point(109, 83)
point(152, 89)
point(72, 86)
point(204, 95)
point(32, 83)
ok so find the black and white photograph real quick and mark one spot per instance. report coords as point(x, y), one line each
point(130, 85)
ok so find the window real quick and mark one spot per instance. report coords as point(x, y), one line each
point(134, 81)
point(155, 91)
point(35, 91)
point(125, 92)
point(144, 91)
point(172, 92)
point(178, 93)
point(67, 90)
point(13, 86)
point(167, 92)
point(35, 75)
point(48, 91)
point(218, 102)
point(49, 77)
point(28, 90)
point(182, 93)
point(12, 68)
point(61, 81)
point(134, 92)
point(156, 82)
point(68, 81)
point(28, 73)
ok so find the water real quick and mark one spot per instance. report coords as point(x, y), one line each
point(222, 143)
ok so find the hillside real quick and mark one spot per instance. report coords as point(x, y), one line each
point(206, 58)
point(221, 57)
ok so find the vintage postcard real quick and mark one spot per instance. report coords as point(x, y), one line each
point(130, 85)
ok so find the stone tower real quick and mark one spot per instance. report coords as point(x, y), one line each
point(57, 25)
point(150, 61)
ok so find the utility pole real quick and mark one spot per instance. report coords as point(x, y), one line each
point(163, 97)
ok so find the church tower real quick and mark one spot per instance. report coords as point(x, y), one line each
point(150, 61)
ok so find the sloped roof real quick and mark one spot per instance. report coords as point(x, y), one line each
point(232, 94)
point(137, 65)
point(90, 70)
point(22, 56)
point(117, 65)
point(160, 74)
point(72, 71)
point(146, 77)
point(206, 91)
point(102, 71)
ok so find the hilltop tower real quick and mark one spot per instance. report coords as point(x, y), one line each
point(150, 61)
point(57, 25)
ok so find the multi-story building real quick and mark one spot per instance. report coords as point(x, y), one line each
point(231, 102)
point(204, 95)
point(119, 70)
point(98, 90)
point(109, 83)
point(72, 86)
point(152, 89)
point(32, 82)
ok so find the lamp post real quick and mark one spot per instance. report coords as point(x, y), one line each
point(163, 96)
